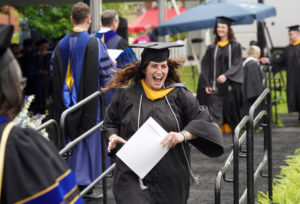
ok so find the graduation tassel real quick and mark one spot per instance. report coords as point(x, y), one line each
point(142, 186)
point(194, 178)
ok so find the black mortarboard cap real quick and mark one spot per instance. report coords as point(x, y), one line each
point(225, 20)
point(156, 51)
point(294, 27)
point(6, 55)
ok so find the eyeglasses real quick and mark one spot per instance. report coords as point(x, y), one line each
point(23, 82)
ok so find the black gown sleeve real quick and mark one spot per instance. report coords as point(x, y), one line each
point(111, 122)
point(279, 63)
point(123, 45)
point(206, 67)
point(209, 137)
point(235, 72)
point(34, 171)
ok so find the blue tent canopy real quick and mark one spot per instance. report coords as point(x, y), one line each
point(204, 15)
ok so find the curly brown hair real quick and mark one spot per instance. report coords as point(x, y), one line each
point(231, 36)
point(133, 73)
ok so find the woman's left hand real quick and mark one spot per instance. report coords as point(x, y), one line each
point(171, 139)
point(221, 79)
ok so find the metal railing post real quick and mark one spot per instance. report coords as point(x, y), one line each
point(269, 143)
point(250, 173)
point(104, 183)
point(236, 145)
point(53, 123)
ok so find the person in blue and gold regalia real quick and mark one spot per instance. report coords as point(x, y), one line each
point(31, 170)
point(81, 66)
point(110, 23)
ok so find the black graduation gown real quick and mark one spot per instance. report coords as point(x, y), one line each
point(231, 90)
point(85, 117)
point(169, 180)
point(33, 167)
point(290, 60)
point(253, 83)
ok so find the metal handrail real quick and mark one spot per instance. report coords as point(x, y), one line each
point(250, 144)
point(249, 122)
point(103, 175)
point(49, 123)
point(257, 103)
point(261, 165)
point(77, 106)
point(79, 139)
point(236, 144)
point(87, 133)
point(224, 169)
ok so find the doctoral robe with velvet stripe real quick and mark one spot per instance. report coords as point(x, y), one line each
point(113, 41)
point(169, 180)
point(86, 60)
point(34, 172)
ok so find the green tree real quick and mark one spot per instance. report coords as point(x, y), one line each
point(50, 21)
point(54, 21)
point(124, 9)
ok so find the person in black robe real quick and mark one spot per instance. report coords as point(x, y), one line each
point(254, 79)
point(156, 92)
point(290, 60)
point(81, 66)
point(221, 79)
point(31, 170)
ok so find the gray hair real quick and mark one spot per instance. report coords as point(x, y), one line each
point(108, 17)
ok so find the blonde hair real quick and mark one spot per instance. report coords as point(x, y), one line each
point(253, 51)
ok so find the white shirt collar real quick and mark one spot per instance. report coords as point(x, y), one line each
point(104, 30)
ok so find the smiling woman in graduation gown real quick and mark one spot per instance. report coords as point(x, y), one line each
point(222, 59)
point(169, 180)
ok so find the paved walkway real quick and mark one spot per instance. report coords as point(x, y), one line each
point(285, 141)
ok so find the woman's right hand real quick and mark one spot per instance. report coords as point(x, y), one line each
point(113, 141)
point(208, 90)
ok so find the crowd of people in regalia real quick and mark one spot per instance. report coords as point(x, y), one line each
point(62, 73)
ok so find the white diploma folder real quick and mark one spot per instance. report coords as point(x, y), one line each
point(114, 53)
point(144, 149)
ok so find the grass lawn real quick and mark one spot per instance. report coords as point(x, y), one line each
point(282, 104)
point(189, 76)
point(286, 186)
